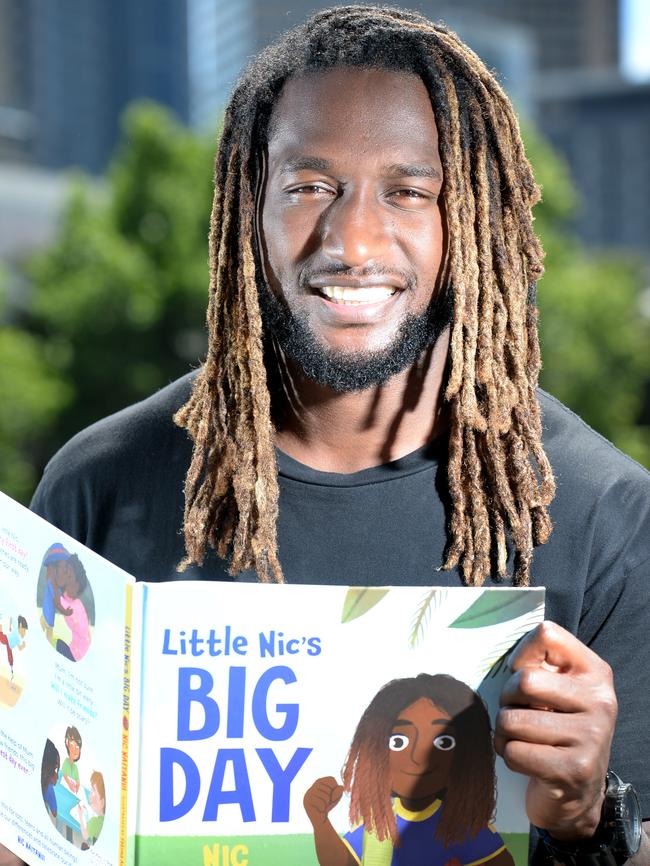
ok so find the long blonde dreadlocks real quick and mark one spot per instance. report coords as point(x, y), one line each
point(500, 480)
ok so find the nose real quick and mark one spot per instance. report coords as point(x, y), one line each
point(421, 751)
point(355, 230)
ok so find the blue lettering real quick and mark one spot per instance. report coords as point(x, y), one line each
point(236, 698)
point(242, 792)
point(168, 810)
point(260, 709)
point(282, 779)
point(187, 695)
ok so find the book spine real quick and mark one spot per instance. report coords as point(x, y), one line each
point(123, 851)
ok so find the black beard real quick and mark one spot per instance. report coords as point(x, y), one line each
point(353, 371)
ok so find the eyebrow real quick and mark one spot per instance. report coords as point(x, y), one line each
point(404, 722)
point(397, 169)
point(305, 163)
point(400, 169)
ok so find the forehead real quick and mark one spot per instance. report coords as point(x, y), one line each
point(355, 112)
point(423, 710)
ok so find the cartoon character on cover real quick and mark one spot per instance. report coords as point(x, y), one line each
point(69, 770)
point(91, 828)
point(14, 640)
point(420, 773)
point(76, 617)
point(49, 775)
point(56, 562)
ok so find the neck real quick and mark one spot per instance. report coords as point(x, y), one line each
point(347, 432)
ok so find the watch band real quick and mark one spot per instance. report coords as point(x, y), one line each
point(583, 853)
point(616, 839)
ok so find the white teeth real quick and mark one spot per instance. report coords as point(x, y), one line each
point(362, 295)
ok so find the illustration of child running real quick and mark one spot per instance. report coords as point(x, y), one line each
point(91, 828)
point(69, 770)
point(14, 640)
point(56, 562)
point(49, 776)
point(76, 617)
point(420, 772)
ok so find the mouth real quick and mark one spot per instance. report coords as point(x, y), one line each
point(356, 295)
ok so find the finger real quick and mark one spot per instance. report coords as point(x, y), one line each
point(317, 801)
point(538, 726)
point(555, 648)
point(543, 689)
point(562, 769)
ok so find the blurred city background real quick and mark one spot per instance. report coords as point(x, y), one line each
point(109, 114)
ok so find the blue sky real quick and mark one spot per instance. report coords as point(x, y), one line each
point(635, 35)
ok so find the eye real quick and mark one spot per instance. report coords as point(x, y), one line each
point(398, 742)
point(445, 742)
point(311, 189)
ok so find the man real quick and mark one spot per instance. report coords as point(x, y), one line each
point(368, 412)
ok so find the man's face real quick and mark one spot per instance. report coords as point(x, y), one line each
point(352, 234)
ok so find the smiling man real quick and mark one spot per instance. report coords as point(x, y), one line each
point(368, 411)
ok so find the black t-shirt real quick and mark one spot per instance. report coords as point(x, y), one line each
point(118, 488)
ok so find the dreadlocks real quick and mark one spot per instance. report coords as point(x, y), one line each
point(499, 477)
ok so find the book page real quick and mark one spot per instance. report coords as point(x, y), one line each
point(276, 717)
point(62, 621)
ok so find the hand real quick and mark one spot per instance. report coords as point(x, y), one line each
point(321, 798)
point(8, 858)
point(555, 725)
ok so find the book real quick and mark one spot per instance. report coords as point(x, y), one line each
point(241, 724)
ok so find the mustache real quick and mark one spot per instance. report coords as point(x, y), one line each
point(333, 270)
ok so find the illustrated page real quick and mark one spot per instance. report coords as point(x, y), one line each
point(62, 634)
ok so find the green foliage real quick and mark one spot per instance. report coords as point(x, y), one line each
point(31, 396)
point(594, 338)
point(122, 291)
point(117, 303)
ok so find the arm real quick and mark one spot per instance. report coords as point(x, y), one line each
point(555, 725)
point(319, 801)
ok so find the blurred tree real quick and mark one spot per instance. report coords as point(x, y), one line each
point(118, 303)
point(120, 296)
point(31, 397)
point(594, 339)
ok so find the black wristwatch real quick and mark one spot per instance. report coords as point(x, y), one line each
point(617, 838)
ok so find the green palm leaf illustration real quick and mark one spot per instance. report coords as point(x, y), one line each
point(497, 659)
point(432, 599)
point(360, 601)
point(490, 608)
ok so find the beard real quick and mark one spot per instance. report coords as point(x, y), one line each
point(354, 371)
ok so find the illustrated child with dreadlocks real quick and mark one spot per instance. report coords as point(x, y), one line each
point(420, 773)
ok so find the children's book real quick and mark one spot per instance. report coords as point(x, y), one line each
point(239, 724)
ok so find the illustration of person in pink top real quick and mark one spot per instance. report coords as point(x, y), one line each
point(73, 583)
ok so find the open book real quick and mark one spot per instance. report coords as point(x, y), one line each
point(226, 724)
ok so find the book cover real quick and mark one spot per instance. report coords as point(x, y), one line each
point(226, 724)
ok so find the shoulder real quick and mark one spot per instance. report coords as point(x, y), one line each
point(577, 450)
point(116, 458)
point(125, 432)
point(589, 469)
point(601, 510)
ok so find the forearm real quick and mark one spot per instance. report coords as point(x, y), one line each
point(331, 850)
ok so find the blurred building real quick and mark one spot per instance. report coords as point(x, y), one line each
point(601, 124)
point(69, 68)
point(568, 34)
